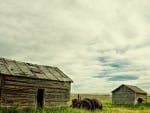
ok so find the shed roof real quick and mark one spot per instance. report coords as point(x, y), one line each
point(131, 87)
point(22, 69)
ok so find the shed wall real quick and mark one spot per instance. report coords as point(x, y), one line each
point(142, 96)
point(22, 92)
point(123, 96)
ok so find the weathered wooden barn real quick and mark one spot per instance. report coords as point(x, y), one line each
point(31, 85)
point(128, 94)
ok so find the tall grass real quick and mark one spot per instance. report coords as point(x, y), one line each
point(105, 99)
point(71, 110)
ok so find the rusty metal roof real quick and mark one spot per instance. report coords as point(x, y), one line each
point(133, 88)
point(22, 69)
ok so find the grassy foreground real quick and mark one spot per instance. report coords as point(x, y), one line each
point(107, 107)
point(113, 109)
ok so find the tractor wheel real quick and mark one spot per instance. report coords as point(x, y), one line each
point(97, 104)
point(92, 104)
point(86, 104)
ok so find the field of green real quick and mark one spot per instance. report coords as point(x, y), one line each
point(105, 99)
point(109, 108)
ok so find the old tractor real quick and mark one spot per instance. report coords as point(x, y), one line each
point(86, 103)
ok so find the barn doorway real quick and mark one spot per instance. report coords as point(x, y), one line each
point(40, 98)
point(140, 100)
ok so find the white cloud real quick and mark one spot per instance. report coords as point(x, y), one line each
point(74, 34)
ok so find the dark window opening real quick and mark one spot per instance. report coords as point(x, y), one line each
point(40, 98)
point(140, 100)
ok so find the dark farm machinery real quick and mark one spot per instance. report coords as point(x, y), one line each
point(86, 103)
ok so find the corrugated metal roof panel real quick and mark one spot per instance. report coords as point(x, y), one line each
point(3, 68)
point(47, 73)
point(64, 76)
point(25, 70)
point(15, 68)
point(55, 73)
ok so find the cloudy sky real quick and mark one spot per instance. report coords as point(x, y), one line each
point(99, 44)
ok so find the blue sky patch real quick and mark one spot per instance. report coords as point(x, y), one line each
point(117, 64)
point(122, 78)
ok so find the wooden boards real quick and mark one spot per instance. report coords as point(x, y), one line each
point(21, 91)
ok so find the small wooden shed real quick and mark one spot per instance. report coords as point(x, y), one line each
point(128, 94)
point(31, 85)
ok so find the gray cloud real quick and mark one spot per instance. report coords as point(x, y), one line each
point(144, 85)
point(92, 41)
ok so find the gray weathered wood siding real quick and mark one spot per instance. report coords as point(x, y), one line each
point(123, 96)
point(22, 92)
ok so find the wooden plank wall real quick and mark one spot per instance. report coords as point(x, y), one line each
point(123, 96)
point(16, 92)
point(22, 92)
point(56, 97)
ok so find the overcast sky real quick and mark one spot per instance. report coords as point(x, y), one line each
point(99, 44)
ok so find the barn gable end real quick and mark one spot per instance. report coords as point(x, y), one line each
point(32, 85)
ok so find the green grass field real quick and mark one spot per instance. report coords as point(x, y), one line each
point(109, 108)
point(105, 99)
